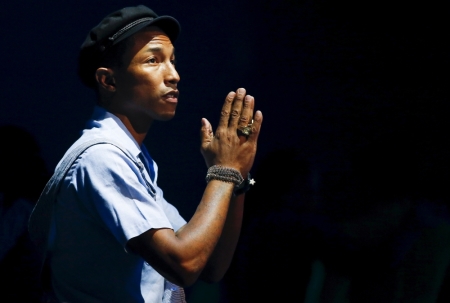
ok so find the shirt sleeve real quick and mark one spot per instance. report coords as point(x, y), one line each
point(110, 186)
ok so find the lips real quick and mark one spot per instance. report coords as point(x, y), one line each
point(171, 96)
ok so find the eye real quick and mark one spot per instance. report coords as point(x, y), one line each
point(151, 60)
point(173, 61)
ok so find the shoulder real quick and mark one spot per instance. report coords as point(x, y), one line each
point(102, 152)
point(105, 157)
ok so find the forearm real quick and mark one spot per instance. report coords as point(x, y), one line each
point(221, 258)
point(206, 225)
point(182, 256)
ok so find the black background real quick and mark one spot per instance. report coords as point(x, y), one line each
point(326, 76)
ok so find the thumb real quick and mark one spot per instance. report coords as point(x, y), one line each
point(206, 133)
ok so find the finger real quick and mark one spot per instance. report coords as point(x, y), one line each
point(226, 109)
point(236, 108)
point(206, 133)
point(256, 127)
point(247, 111)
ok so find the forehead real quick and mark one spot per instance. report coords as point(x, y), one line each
point(150, 36)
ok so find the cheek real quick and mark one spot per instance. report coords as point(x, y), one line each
point(147, 92)
point(148, 82)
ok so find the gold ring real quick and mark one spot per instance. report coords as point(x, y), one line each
point(246, 130)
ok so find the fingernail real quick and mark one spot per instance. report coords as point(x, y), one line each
point(240, 90)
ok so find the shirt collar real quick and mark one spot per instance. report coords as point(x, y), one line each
point(114, 128)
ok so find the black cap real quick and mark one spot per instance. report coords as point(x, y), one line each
point(114, 28)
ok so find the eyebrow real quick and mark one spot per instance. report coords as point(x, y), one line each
point(158, 49)
point(154, 48)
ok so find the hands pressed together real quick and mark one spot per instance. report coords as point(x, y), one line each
point(204, 246)
point(227, 146)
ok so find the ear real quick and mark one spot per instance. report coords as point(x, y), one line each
point(105, 79)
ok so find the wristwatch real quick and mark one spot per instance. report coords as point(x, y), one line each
point(244, 186)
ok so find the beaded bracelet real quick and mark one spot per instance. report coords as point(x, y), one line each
point(225, 174)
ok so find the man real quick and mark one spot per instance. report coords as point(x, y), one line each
point(113, 237)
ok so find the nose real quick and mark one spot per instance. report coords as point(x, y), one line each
point(171, 75)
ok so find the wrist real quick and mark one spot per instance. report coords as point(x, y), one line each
point(230, 175)
point(224, 174)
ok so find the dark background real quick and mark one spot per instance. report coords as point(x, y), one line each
point(326, 76)
point(331, 77)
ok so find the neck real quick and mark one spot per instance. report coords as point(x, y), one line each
point(137, 123)
point(137, 127)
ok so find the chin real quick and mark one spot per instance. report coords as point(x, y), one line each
point(166, 116)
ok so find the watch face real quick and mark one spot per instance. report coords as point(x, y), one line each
point(244, 186)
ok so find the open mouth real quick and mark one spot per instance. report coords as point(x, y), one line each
point(171, 96)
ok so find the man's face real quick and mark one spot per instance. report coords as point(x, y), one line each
point(146, 84)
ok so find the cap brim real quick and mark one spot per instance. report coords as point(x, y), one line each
point(168, 24)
